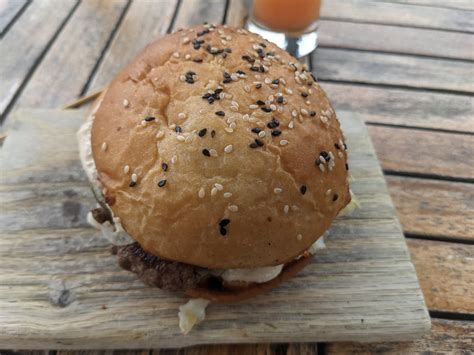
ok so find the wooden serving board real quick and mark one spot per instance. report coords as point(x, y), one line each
point(61, 288)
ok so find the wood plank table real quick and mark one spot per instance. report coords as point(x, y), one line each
point(406, 66)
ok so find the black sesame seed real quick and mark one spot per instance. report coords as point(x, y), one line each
point(276, 81)
point(164, 166)
point(254, 68)
point(318, 162)
point(270, 54)
point(222, 231)
point(263, 45)
point(345, 146)
point(213, 133)
point(218, 91)
point(246, 58)
point(206, 95)
point(312, 113)
point(253, 145)
point(178, 129)
point(347, 166)
point(262, 69)
point(266, 109)
point(312, 76)
point(240, 72)
point(132, 183)
point(274, 123)
point(260, 102)
point(150, 118)
point(280, 99)
point(190, 73)
point(206, 152)
point(335, 197)
point(211, 100)
point(337, 146)
point(324, 154)
point(196, 46)
point(227, 50)
point(189, 80)
point(258, 86)
point(197, 60)
point(259, 142)
point(276, 133)
point(227, 80)
point(202, 132)
point(226, 75)
point(224, 222)
point(256, 130)
point(304, 94)
point(303, 189)
point(161, 183)
point(220, 113)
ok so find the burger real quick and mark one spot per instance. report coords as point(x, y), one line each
point(217, 163)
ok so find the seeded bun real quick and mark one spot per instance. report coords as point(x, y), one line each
point(179, 151)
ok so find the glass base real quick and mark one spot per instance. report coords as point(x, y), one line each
point(298, 45)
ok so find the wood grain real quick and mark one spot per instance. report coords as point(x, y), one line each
point(389, 69)
point(144, 22)
point(8, 10)
point(398, 14)
point(396, 39)
point(73, 290)
point(34, 30)
point(434, 208)
point(453, 4)
point(78, 46)
point(194, 12)
point(404, 107)
point(424, 152)
point(236, 12)
point(446, 274)
point(446, 337)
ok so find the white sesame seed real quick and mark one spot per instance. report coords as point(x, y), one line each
point(273, 107)
point(294, 113)
point(126, 169)
point(268, 81)
point(187, 56)
point(213, 191)
point(288, 91)
point(308, 102)
point(283, 81)
point(300, 118)
point(304, 112)
point(160, 134)
point(126, 103)
point(228, 130)
point(189, 138)
point(331, 155)
point(134, 177)
point(277, 190)
point(245, 117)
point(223, 42)
point(299, 237)
point(180, 138)
point(322, 168)
point(283, 142)
point(328, 192)
point(258, 77)
point(233, 208)
point(298, 80)
point(291, 125)
point(228, 96)
point(202, 111)
point(340, 155)
point(324, 119)
point(228, 148)
point(234, 103)
point(181, 115)
point(227, 194)
point(286, 209)
point(247, 88)
point(253, 107)
point(213, 152)
point(174, 158)
point(103, 146)
point(295, 208)
point(182, 78)
point(253, 119)
point(218, 186)
point(322, 160)
point(262, 134)
point(143, 123)
point(186, 40)
point(176, 54)
point(232, 125)
point(234, 77)
point(201, 192)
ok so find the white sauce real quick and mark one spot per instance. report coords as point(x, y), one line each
point(258, 275)
point(192, 313)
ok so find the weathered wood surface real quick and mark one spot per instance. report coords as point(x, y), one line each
point(453, 4)
point(9, 9)
point(404, 107)
point(78, 46)
point(424, 152)
point(43, 19)
point(362, 287)
point(446, 337)
point(389, 69)
point(398, 14)
point(419, 201)
point(446, 274)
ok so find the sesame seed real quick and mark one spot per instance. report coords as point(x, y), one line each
point(286, 209)
point(150, 118)
point(291, 125)
point(220, 113)
point(186, 40)
point(180, 138)
point(188, 139)
point(299, 237)
point(328, 192)
point(324, 119)
point(202, 132)
point(234, 77)
point(277, 190)
point(132, 183)
point(340, 155)
point(288, 91)
point(201, 192)
point(276, 133)
point(161, 183)
point(303, 189)
point(304, 94)
point(262, 134)
point(160, 134)
point(283, 142)
point(181, 115)
point(125, 103)
point(126, 169)
point(182, 78)
point(256, 130)
point(304, 112)
point(259, 142)
point(245, 117)
point(222, 231)
point(228, 148)
point(294, 208)
point(258, 86)
point(103, 146)
point(218, 186)
point(213, 152)
point(227, 194)
point(253, 107)
point(335, 197)
point(312, 113)
point(174, 158)
point(322, 168)
point(233, 208)
point(294, 113)
point(176, 54)
point(134, 177)
point(178, 129)
point(206, 152)
point(213, 191)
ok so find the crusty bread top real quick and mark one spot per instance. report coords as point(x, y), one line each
point(204, 163)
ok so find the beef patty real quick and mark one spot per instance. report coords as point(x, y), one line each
point(154, 271)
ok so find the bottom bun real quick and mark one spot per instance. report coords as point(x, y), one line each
point(226, 295)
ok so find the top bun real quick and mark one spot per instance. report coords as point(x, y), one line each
point(218, 149)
